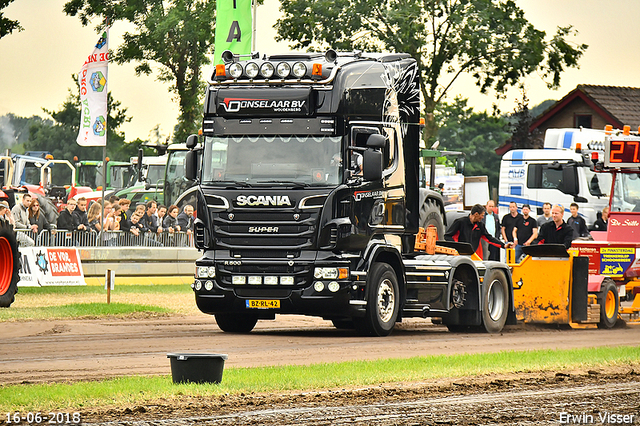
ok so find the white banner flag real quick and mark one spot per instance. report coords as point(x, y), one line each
point(93, 95)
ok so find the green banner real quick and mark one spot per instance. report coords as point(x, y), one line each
point(233, 28)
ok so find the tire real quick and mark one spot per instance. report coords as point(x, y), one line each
point(383, 302)
point(343, 324)
point(609, 303)
point(430, 214)
point(9, 264)
point(495, 301)
point(236, 323)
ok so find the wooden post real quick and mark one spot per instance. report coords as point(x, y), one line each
point(108, 283)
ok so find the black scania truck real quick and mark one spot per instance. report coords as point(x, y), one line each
point(309, 201)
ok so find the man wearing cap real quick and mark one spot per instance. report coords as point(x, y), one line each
point(525, 231)
point(4, 207)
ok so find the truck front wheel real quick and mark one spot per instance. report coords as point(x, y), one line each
point(9, 265)
point(609, 302)
point(236, 323)
point(383, 302)
point(495, 301)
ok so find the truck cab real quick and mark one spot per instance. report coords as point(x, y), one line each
point(308, 199)
point(557, 174)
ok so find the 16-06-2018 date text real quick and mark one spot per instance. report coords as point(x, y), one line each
point(35, 418)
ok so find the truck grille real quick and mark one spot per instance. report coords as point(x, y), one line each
point(264, 230)
point(300, 271)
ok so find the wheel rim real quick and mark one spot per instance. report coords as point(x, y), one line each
point(386, 301)
point(495, 300)
point(610, 304)
point(6, 265)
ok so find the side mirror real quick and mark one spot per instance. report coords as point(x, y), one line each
point(570, 180)
point(372, 165)
point(192, 141)
point(139, 166)
point(376, 141)
point(191, 165)
point(460, 165)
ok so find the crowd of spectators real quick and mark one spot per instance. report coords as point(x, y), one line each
point(144, 224)
point(519, 229)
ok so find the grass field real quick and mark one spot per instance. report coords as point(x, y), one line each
point(90, 301)
point(139, 390)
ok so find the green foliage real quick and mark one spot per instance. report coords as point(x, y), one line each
point(7, 26)
point(139, 390)
point(59, 138)
point(176, 35)
point(522, 119)
point(488, 39)
point(475, 134)
point(14, 131)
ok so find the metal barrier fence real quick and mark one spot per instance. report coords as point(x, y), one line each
point(63, 238)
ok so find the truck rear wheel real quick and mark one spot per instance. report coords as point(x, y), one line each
point(9, 265)
point(383, 302)
point(609, 302)
point(495, 301)
point(236, 323)
point(430, 215)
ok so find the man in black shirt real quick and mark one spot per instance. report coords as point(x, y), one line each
point(525, 231)
point(601, 222)
point(577, 223)
point(556, 231)
point(509, 221)
point(80, 214)
point(470, 229)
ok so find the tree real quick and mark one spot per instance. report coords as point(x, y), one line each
point(521, 121)
point(59, 138)
point(475, 134)
point(177, 35)
point(488, 39)
point(7, 26)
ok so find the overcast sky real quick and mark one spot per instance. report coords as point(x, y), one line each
point(36, 64)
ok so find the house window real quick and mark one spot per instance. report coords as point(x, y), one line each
point(582, 120)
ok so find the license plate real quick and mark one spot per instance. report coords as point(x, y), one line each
point(263, 304)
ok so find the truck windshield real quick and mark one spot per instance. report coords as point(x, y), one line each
point(599, 183)
point(89, 175)
point(121, 175)
point(306, 160)
point(626, 193)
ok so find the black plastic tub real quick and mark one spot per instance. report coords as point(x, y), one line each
point(197, 368)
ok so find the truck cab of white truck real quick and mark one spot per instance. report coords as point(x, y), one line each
point(557, 174)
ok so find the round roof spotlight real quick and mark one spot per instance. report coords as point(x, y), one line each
point(251, 69)
point(330, 55)
point(267, 70)
point(227, 56)
point(299, 69)
point(283, 70)
point(235, 70)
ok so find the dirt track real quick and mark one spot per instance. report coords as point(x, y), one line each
point(62, 350)
point(550, 399)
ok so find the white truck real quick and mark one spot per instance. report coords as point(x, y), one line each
point(556, 174)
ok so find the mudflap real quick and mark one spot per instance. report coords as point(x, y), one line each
point(579, 289)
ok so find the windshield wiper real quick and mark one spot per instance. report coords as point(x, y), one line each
point(286, 182)
point(231, 183)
